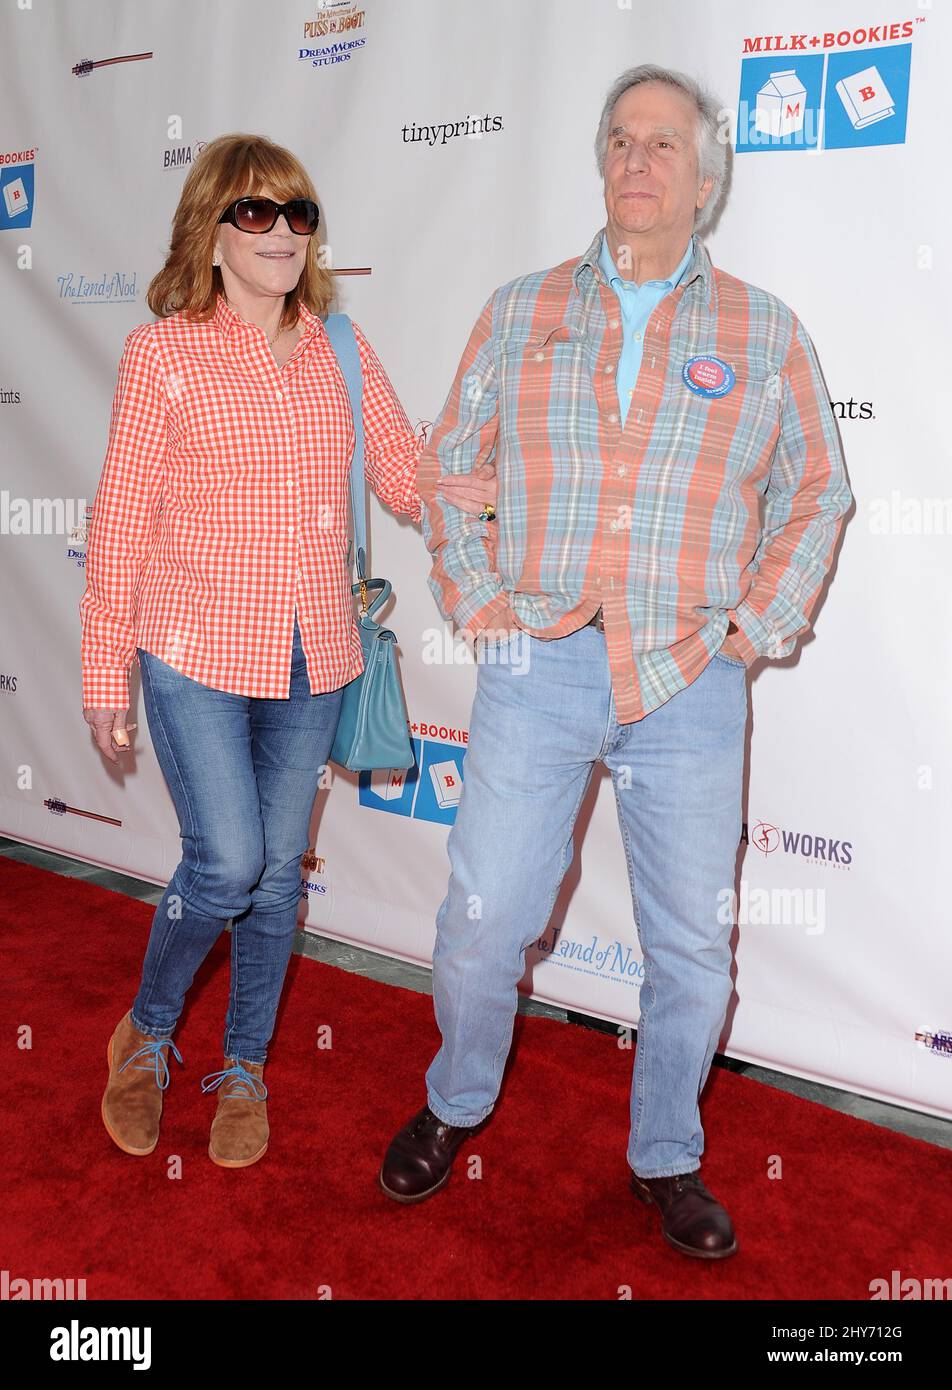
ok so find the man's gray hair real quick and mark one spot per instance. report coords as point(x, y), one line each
point(712, 147)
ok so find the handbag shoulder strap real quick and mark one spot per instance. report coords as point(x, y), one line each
point(340, 331)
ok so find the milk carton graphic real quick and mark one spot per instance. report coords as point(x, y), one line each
point(389, 783)
point(15, 197)
point(447, 783)
point(781, 103)
point(865, 98)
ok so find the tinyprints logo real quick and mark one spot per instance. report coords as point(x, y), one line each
point(817, 849)
point(807, 93)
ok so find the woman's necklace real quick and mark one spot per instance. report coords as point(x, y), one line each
point(271, 341)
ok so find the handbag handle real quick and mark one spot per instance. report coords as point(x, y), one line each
point(340, 331)
point(363, 587)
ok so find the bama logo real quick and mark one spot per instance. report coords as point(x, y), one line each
point(181, 156)
point(798, 99)
point(818, 849)
point(429, 790)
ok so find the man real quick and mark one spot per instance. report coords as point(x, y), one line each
point(638, 403)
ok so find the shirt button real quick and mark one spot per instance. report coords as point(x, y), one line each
point(637, 337)
point(540, 357)
point(290, 482)
point(609, 367)
point(613, 525)
point(621, 471)
point(614, 416)
point(278, 396)
point(614, 324)
point(291, 532)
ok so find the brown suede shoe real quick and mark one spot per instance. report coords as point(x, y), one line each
point(420, 1157)
point(239, 1134)
point(692, 1220)
point(138, 1075)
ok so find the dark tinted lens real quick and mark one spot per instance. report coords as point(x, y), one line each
point(302, 216)
point(255, 214)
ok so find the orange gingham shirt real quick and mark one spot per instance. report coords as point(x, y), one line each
point(223, 505)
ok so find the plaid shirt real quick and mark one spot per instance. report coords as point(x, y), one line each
point(223, 503)
point(657, 522)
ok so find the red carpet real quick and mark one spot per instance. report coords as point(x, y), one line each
point(551, 1217)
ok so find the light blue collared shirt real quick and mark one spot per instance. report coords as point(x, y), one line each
point(638, 303)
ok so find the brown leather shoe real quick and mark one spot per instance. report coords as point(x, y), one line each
point(420, 1157)
point(239, 1133)
point(138, 1075)
point(692, 1220)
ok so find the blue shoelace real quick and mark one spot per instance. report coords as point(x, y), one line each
point(245, 1078)
point(154, 1050)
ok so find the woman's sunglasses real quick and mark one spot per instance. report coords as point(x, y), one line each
point(260, 214)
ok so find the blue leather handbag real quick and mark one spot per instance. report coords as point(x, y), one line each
point(373, 730)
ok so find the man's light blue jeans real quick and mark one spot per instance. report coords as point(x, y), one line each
point(243, 774)
point(535, 735)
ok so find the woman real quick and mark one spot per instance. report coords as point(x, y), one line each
point(217, 558)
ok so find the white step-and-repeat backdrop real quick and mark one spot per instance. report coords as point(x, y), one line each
point(452, 147)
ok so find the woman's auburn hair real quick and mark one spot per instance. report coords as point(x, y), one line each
point(229, 168)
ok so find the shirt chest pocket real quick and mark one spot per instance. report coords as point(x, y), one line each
point(543, 346)
point(743, 420)
point(539, 373)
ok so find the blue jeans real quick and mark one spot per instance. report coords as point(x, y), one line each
point(534, 738)
point(243, 774)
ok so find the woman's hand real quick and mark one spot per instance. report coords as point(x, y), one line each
point(469, 491)
point(108, 726)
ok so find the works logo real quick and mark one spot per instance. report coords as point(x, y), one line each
point(818, 849)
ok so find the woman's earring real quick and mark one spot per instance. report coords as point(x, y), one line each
point(216, 260)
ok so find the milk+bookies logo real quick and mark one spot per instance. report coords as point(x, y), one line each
point(16, 188)
point(838, 89)
point(431, 788)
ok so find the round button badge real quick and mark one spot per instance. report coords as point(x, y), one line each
point(708, 376)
